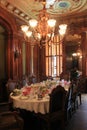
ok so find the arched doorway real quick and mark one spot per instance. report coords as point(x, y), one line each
point(8, 39)
point(3, 71)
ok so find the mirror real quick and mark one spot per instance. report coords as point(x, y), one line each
point(73, 52)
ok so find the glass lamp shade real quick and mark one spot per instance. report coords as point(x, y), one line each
point(24, 28)
point(63, 26)
point(62, 31)
point(51, 22)
point(33, 23)
point(28, 33)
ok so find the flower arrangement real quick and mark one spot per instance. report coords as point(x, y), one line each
point(16, 92)
point(26, 91)
point(42, 91)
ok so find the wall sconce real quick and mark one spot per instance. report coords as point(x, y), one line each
point(17, 53)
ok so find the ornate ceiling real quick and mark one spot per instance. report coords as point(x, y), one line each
point(27, 9)
point(71, 11)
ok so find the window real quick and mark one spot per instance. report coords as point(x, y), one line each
point(54, 57)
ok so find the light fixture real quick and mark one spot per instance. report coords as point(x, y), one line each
point(62, 29)
point(78, 53)
point(42, 30)
point(17, 53)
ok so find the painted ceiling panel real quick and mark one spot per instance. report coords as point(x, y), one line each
point(31, 8)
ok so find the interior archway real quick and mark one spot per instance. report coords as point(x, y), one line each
point(3, 71)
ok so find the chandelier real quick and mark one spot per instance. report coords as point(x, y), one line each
point(43, 29)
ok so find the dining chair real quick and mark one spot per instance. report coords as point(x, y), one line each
point(68, 104)
point(10, 119)
point(11, 85)
point(80, 84)
point(74, 97)
point(32, 79)
point(24, 81)
point(7, 104)
point(56, 110)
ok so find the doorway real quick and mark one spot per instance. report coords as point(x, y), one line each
point(73, 52)
point(3, 74)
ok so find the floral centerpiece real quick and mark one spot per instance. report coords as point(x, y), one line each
point(26, 91)
point(16, 92)
point(43, 90)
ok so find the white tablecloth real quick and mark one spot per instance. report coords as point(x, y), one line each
point(34, 104)
point(41, 105)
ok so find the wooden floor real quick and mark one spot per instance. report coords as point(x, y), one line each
point(79, 118)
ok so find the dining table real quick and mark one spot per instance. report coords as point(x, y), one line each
point(31, 104)
point(31, 99)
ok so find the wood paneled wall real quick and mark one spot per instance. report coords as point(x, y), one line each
point(13, 65)
point(14, 40)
